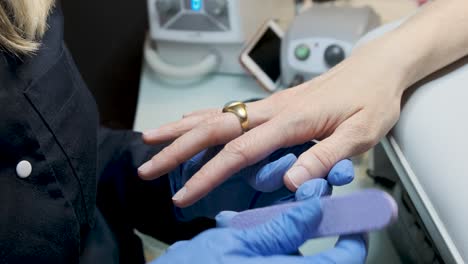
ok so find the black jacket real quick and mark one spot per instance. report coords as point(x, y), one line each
point(82, 199)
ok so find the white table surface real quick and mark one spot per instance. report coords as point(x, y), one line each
point(160, 102)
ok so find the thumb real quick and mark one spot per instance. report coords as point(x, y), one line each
point(353, 136)
point(314, 163)
point(285, 233)
point(319, 159)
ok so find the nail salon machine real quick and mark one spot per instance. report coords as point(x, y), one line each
point(196, 37)
point(320, 38)
point(427, 151)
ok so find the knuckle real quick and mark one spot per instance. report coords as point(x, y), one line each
point(365, 136)
point(215, 119)
point(326, 155)
point(203, 131)
point(369, 138)
point(206, 132)
point(368, 142)
point(177, 126)
point(210, 129)
point(293, 133)
point(286, 135)
point(237, 150)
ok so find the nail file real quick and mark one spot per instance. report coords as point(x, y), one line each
point(359, 212)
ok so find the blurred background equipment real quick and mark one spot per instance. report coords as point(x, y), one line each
point(261, 56)
point(161, 102)
point(196, 37)
point(321, 37)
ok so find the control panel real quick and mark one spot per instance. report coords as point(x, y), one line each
point(316, 55)
point(198, 15)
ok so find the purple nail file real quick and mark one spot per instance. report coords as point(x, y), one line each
point(359, 212)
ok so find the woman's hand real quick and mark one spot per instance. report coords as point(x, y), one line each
point(348, 113)
point(255, 186)
point(349, 108)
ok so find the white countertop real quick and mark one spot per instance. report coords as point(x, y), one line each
point(160, 102)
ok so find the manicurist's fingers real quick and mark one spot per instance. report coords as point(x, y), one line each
point(285, 233)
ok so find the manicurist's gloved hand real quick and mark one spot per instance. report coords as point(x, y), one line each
point(272, 242)
point(312, 189)
point(258, 185)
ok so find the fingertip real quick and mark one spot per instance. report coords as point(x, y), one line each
point(142, 175)
point(298, 175)
point(270, 177)
point(151, 173)
point(180, 203)
point(148, 135)
point(355, 246)
point(307, 167)
point(224, 218)
point(144, 171)
point(184, 198)
point(313, 189)
point(289, 184)
point(180, 198)
point(342, 173)
point(289, 160)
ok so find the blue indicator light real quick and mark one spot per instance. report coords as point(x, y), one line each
point(196, 5)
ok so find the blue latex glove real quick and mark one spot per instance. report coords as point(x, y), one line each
point(269, 243)
point(255, 186)
point(311, 189)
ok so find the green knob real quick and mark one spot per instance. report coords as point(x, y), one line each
point(302, 52)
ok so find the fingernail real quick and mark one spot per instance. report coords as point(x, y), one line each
point(180, 194)
point(150, 133)
point(298, 175)
point(145, 168)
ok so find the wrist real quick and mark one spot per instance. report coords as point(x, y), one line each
point(387, 59)
point(425, 42)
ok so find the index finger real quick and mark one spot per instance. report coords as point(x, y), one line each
point(243, 151)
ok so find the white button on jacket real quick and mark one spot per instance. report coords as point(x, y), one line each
point(23, 169)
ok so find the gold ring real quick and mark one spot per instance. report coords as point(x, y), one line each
point(239, 109)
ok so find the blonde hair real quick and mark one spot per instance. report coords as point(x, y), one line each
point(22, 24)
